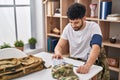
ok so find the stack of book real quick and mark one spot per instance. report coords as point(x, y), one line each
point(51, 43)
point(113, 17)
point(51, 7)
point(105, 9)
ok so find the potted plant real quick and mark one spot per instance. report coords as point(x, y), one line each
point(32, 42)
point(19, 44)
point(5, 45)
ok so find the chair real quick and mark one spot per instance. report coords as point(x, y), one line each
point(11, 53)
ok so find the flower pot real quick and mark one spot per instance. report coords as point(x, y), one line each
point(32, 46)
point(20, 48)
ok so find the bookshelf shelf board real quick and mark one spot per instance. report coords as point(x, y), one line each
point(94, 19)
point(64, 16)
point(109, 20)
point(114, 69)
point(53, 35)
point(53, 16)
point(107, 43)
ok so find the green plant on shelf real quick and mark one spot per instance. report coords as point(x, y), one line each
point(32, 41)
point(19, 43)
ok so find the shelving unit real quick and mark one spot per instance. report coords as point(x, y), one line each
point(107, 44)
point(60, 21)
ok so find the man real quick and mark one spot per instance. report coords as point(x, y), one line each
point(84, 38)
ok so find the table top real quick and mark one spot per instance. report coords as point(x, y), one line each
point(47, 75)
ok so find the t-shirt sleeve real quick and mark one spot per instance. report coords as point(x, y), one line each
point(96, 29)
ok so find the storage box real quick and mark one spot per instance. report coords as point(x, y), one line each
point(114, 62)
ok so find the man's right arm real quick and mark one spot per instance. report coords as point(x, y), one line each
point(59, 48)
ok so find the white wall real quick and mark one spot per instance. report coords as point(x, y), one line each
point(38, 23)
point(115, 27)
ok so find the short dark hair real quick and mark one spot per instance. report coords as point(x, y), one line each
point(76, 11)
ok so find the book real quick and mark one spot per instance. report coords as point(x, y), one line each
point(50, 7)
point(105, 9)
point(51, 43)
point(113, 17)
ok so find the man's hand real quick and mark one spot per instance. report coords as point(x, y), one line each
point(83, 69)
point(57, 56)
point(91, 59)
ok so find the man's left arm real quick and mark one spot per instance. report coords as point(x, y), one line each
point(93, 55)
point(95, 45)
point(91, 60)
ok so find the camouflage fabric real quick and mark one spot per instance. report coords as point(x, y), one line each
point(64, 72)
point(16, 67)
point(102, 61)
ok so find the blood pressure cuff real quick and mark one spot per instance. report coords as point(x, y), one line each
point(64, 72)
point(96, 39)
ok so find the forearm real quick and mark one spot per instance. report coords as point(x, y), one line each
point(91, 60)
point(93, 55)
point(58, 49)
point(58, 52)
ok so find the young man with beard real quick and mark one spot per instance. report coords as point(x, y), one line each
point(84, 38)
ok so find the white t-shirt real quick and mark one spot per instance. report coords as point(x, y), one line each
point(79, 41)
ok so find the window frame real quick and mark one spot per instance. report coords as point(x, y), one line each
point(14, 6)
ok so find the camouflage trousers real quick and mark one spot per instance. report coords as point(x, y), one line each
point(102, 61)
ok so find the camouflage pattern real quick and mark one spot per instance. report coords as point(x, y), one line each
point(102, 61)
point(64, 72)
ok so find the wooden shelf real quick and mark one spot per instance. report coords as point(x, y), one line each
point(64, 16)
point(60, 16)
point(88, 18)
point(94, 19)
point(53, 35)
point(109, 20)
point(114, 69)
point(53, 16)
point(107, 43)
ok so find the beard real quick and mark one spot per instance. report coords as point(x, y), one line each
point(78, 27)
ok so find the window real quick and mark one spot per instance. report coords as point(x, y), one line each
point(15, 21)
